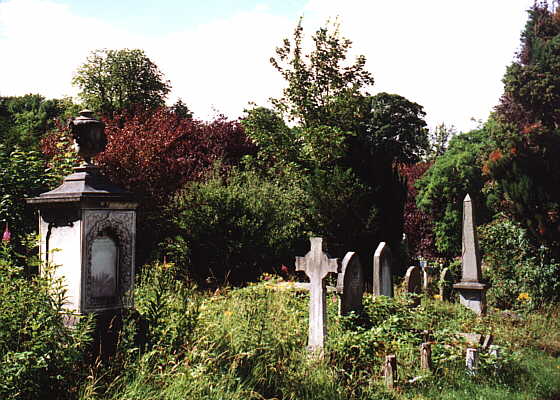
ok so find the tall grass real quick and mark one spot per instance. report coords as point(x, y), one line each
point(250, 343)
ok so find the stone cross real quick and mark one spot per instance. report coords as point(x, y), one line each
point(316, 266)
point(350, 284)
point(472, 292)
point(382, 271)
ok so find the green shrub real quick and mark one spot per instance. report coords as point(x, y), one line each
point(443, 187)
point(168, 305)
point(236, 228)
point(520, 274)
point(39, 356)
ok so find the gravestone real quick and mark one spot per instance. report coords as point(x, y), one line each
point(445, 284)
point(316, 265)
point(350, 284)
point(382, 271)
point(413, 282)
point(472, 292)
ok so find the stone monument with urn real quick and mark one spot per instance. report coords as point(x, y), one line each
point(88, 229)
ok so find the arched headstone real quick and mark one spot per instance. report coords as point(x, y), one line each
point(350, 284)
point(382, 271)
point(413, 282)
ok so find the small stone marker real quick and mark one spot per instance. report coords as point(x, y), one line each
point(445, 284)
point(316, 266)
point(426, 356)
point(471, 360)
point(471, 291)
point(350, 284)
point(413, 283)
point(390, 371)
point(382, 271)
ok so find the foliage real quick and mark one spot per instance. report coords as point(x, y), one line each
point(521, 275)
point(22, 175)
point(439, 140)
point(169, 306)
point(525, 164)
point(40, 357)
point(393, 128)
point(112, 81)
point(24, 120)
point(153, 154)
point(318, 80)
point(249, 343)
point(344, 143)
point(418, 225)
point(235, 228)
point(444, 186)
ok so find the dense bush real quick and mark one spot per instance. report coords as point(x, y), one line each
point(22, 175)
point(525, 163)
point(442, 189)
point(519, 272)
point(235, 228)
point(39, 356)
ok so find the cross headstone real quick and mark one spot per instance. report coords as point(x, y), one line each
point(350, 284)
point(472, 292)
point(382, 271)
point(316, 265)
point(413, 282)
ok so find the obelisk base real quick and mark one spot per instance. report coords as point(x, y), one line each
point(472, 295)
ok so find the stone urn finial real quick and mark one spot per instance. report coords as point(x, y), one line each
point(88, 134)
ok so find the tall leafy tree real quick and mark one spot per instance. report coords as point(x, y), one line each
point(526, 163)
point(117, 80)
point(345, 141)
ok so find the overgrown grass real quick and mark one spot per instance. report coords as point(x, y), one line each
point(250, 343)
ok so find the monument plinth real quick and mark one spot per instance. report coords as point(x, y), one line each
point(88, 229)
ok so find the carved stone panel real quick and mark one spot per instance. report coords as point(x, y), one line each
point(108, 265)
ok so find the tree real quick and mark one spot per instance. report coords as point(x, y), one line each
point(525, 164)
point(24, 120)
point(439, 140)
point(344, 142)
point(443, 187)
point(318, 82)
point(120, 80)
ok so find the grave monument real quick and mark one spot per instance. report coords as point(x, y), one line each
point(472, 292)
point(350, 284)
point(88, 229)
point(316, 265)
point(382, 271)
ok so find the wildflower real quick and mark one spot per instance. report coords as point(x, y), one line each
point(437, 296)
point(7, 234)
point(284, 269)
point(228, 313)
point(524, 297)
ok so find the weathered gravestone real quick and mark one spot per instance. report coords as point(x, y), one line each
point(472, 292)
point(350, 284)
point(445, 284)
point(413, 282)
point(382, 271)
point(316, 265)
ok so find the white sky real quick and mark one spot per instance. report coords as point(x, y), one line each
point(447, 55)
